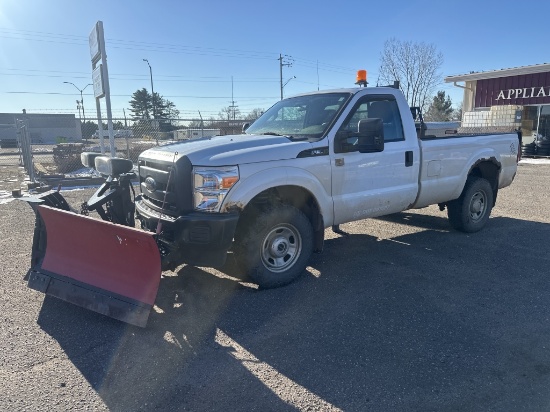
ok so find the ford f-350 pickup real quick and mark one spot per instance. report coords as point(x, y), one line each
point(310, 162)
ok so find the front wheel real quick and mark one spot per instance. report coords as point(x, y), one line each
point(275, 247)
point(470, 212)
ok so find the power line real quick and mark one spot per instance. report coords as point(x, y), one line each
point(166, 47)
point(136, 77)
point(134, 45)
point(129, 95)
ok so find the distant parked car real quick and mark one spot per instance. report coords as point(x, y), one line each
point(117, 133)
point(124, 133)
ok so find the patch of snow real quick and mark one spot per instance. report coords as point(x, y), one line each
point(5, 197)
point(84, 172)
point(535, 161)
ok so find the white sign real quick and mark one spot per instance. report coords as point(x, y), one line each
point(525, 93)
point(93, 40)
point(97, 77)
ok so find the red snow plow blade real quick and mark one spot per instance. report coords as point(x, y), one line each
point(108, 268)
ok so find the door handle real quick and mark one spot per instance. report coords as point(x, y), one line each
point(409, 159)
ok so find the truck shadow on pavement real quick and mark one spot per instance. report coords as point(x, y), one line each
point(406, 322)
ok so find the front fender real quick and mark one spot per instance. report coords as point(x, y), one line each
point(249, 186)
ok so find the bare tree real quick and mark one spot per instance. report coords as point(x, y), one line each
point(254, 114)
point(416, 67)
point(229, 113)
point(457, 113)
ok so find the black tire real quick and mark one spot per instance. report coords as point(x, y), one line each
point(470, 212)
point(274, 247)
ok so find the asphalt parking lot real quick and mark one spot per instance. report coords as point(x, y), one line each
point(404, 314)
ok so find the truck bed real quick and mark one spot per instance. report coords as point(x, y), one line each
point(442, 172)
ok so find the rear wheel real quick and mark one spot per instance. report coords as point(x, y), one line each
point(470, 212)
point(274, 248)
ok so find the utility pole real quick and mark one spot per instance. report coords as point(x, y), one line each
point(78, 106)
point(202, 124)
point(125, 121)
point(233, 107)
point(284, 60)
point(317, 75)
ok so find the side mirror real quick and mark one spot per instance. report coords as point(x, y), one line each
point(245, 126)
point(371, 135)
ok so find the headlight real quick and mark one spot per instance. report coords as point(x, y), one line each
point(211, 184)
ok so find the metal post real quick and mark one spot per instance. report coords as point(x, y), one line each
point(78, 106)
point(127, 137)
point(152, 99)
point(83, 114)
point(82, 127)
point(25, 144)
point(152, 90)
point(293, 77)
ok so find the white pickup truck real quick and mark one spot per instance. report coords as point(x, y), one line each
point(308, 163)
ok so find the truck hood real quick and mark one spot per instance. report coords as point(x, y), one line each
point(229, 150)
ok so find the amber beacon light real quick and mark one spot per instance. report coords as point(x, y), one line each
point(361, 78)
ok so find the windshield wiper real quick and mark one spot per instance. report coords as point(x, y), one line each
point(289, 137)
point(273, 134)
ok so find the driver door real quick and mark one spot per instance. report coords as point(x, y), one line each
point(374, 184)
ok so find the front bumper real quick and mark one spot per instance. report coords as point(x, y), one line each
point(196, 238)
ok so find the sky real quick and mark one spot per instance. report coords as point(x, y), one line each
point(205, 55)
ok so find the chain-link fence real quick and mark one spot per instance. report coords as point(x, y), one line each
point(44, 156)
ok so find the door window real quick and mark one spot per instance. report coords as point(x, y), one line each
point(370, 107)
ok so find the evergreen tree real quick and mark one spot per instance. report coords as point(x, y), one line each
point(141, 105)
point(441, 109)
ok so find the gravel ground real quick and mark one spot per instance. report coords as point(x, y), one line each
point(403, 314)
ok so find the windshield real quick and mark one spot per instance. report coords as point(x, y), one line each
point(302, 117)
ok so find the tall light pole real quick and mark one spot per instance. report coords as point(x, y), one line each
point(81, 105)
point(293, 77)
point(152, 90)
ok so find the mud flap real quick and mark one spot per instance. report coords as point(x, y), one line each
point(110, 269)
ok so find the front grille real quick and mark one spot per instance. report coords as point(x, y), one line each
point(176, 196)
point(156, 214)
point(161, 205)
